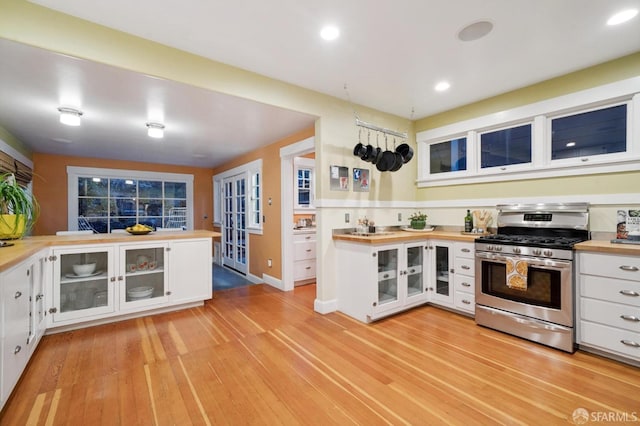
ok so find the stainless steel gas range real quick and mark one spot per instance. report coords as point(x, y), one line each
point(525, 273)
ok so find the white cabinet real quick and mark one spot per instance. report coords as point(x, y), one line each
point(609, 304)
point(464, 277)
point(304, 256)
point(441, 277)
point(376, 281)
point(128, 278)
point(21, 293)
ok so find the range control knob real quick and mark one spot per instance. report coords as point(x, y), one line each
point(548, 253)
point(490, 247)
point(537, 252)
point(498, 248)
point(517, 250)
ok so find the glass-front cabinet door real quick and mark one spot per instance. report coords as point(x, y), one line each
point(415, 279)
point(442, 267)
point(142, 277)
point(82, 283)
point(387, 265)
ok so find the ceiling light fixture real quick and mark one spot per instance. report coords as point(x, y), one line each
point(330, 33)
point(70, 116)
point(155, 130)
point(622, 17)
point(442, 86)
point(475, 31)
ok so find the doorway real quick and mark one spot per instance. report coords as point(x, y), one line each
point(234, 228)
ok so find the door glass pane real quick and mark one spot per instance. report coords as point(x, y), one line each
point(442, 270)
point(505, 147)
point(591, 133)
point(387, 276)
point(83, 289)
point(449, 156)
point(414, 270)
point(144, 274)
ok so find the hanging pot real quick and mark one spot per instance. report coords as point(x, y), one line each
point(358, 149)
point(406, 151)
point(397, 162)
point(386, 161)
point(375, 155)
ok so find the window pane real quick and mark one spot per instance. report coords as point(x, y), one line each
point(123, 187)
point(92, 207)
point(505, 147)
point(175, 190)
point(94, 187)
point(123, 207)
point(590, 133)
point(450, 156)
point(149, 189)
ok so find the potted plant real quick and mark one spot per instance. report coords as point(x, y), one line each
point(19, 210)
point(418, 220)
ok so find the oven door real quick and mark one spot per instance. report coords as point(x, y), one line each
point(549, 291)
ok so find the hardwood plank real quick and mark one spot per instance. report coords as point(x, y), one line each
point(260, 356)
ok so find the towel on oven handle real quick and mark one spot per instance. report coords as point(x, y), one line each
point(517, 274)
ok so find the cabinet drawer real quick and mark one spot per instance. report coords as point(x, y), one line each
point(465, 301)
point(464, 283)
point(609, 265)
point(304, 269)
point(465, 266)
point(626, 292)
point(304, 250)
point(610, 339)
point(464, 250)
point(304, 237)
point(613, 314)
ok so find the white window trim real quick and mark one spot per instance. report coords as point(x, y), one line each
point(305, 163)
point(540, 113)
point(73, 173)
point(248, 169)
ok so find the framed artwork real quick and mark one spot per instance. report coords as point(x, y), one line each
point(360, 180)
point(339, 178)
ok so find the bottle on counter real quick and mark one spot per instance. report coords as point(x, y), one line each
point(468, 222)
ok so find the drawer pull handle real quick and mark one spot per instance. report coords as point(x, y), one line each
point(385, 276)
point(412, 271)
point(308, 250)
point(308, 267)
point(465, 267)
point(629, 268)
point(465, 250)
point(629, 293)
point(466, 285)
point(466, 302)
point(17, 349)
point(18, 294)
point(630, 343)
point(307, 238)
point(630, 318)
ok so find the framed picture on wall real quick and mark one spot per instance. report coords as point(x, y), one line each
point(360, 180)
point(339, 178)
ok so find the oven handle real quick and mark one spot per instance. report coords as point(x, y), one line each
point(531, 261)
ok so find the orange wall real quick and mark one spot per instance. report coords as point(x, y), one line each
point(50, 188)
point(268, 245)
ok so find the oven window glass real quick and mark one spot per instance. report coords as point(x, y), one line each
point(543, 285)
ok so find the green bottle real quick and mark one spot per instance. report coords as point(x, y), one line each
point(468, 222)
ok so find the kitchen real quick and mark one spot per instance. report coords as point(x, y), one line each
point(446, 205)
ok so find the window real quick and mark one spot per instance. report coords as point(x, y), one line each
point(599, 132)
point(505, 147)
point(449, 156)
point(304, 169)
point(252, 200)
point(107, 199)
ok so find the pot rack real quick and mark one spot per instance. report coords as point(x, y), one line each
point(383, 130)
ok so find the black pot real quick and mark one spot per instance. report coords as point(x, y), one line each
point(368, 153)
point(397, 163)
point(358, 150)
point(375, 155)
point(406, 151)
point(386, 161)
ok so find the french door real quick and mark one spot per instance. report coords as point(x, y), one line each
point(234, 232)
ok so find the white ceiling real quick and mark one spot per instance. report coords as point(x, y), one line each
point(390, 54)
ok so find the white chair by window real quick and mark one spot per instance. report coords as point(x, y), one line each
point(85, 232)
point(118, 231)
point(177, 218)
point(84, 225)
point(169, 229)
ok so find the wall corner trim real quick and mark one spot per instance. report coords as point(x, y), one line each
point(325, 306)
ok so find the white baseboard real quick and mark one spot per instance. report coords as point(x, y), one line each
point(325, 306)
point(273, 282)
point(254, 279)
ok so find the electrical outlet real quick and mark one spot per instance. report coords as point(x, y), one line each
point(399, 217)
point(347, 219)
point(269, 263)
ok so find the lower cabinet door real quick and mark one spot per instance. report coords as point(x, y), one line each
point(190, 270)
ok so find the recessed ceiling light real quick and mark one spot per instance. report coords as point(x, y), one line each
point(475, 31)
point(70, 116)
point(155, 130)
point(622, 17)
point(330, 32)
point(442, 86)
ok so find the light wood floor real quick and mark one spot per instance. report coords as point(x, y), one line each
point(259, 356)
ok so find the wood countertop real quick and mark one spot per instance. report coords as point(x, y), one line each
point(405, 236)
point(605, 246)
point(27, 246)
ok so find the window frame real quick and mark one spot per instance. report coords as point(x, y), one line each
point(304, 163)
point(249, 170)
point(540, 114)
point(470, 150)
point(74, 173)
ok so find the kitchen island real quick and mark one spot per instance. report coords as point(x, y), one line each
point(42, 290)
